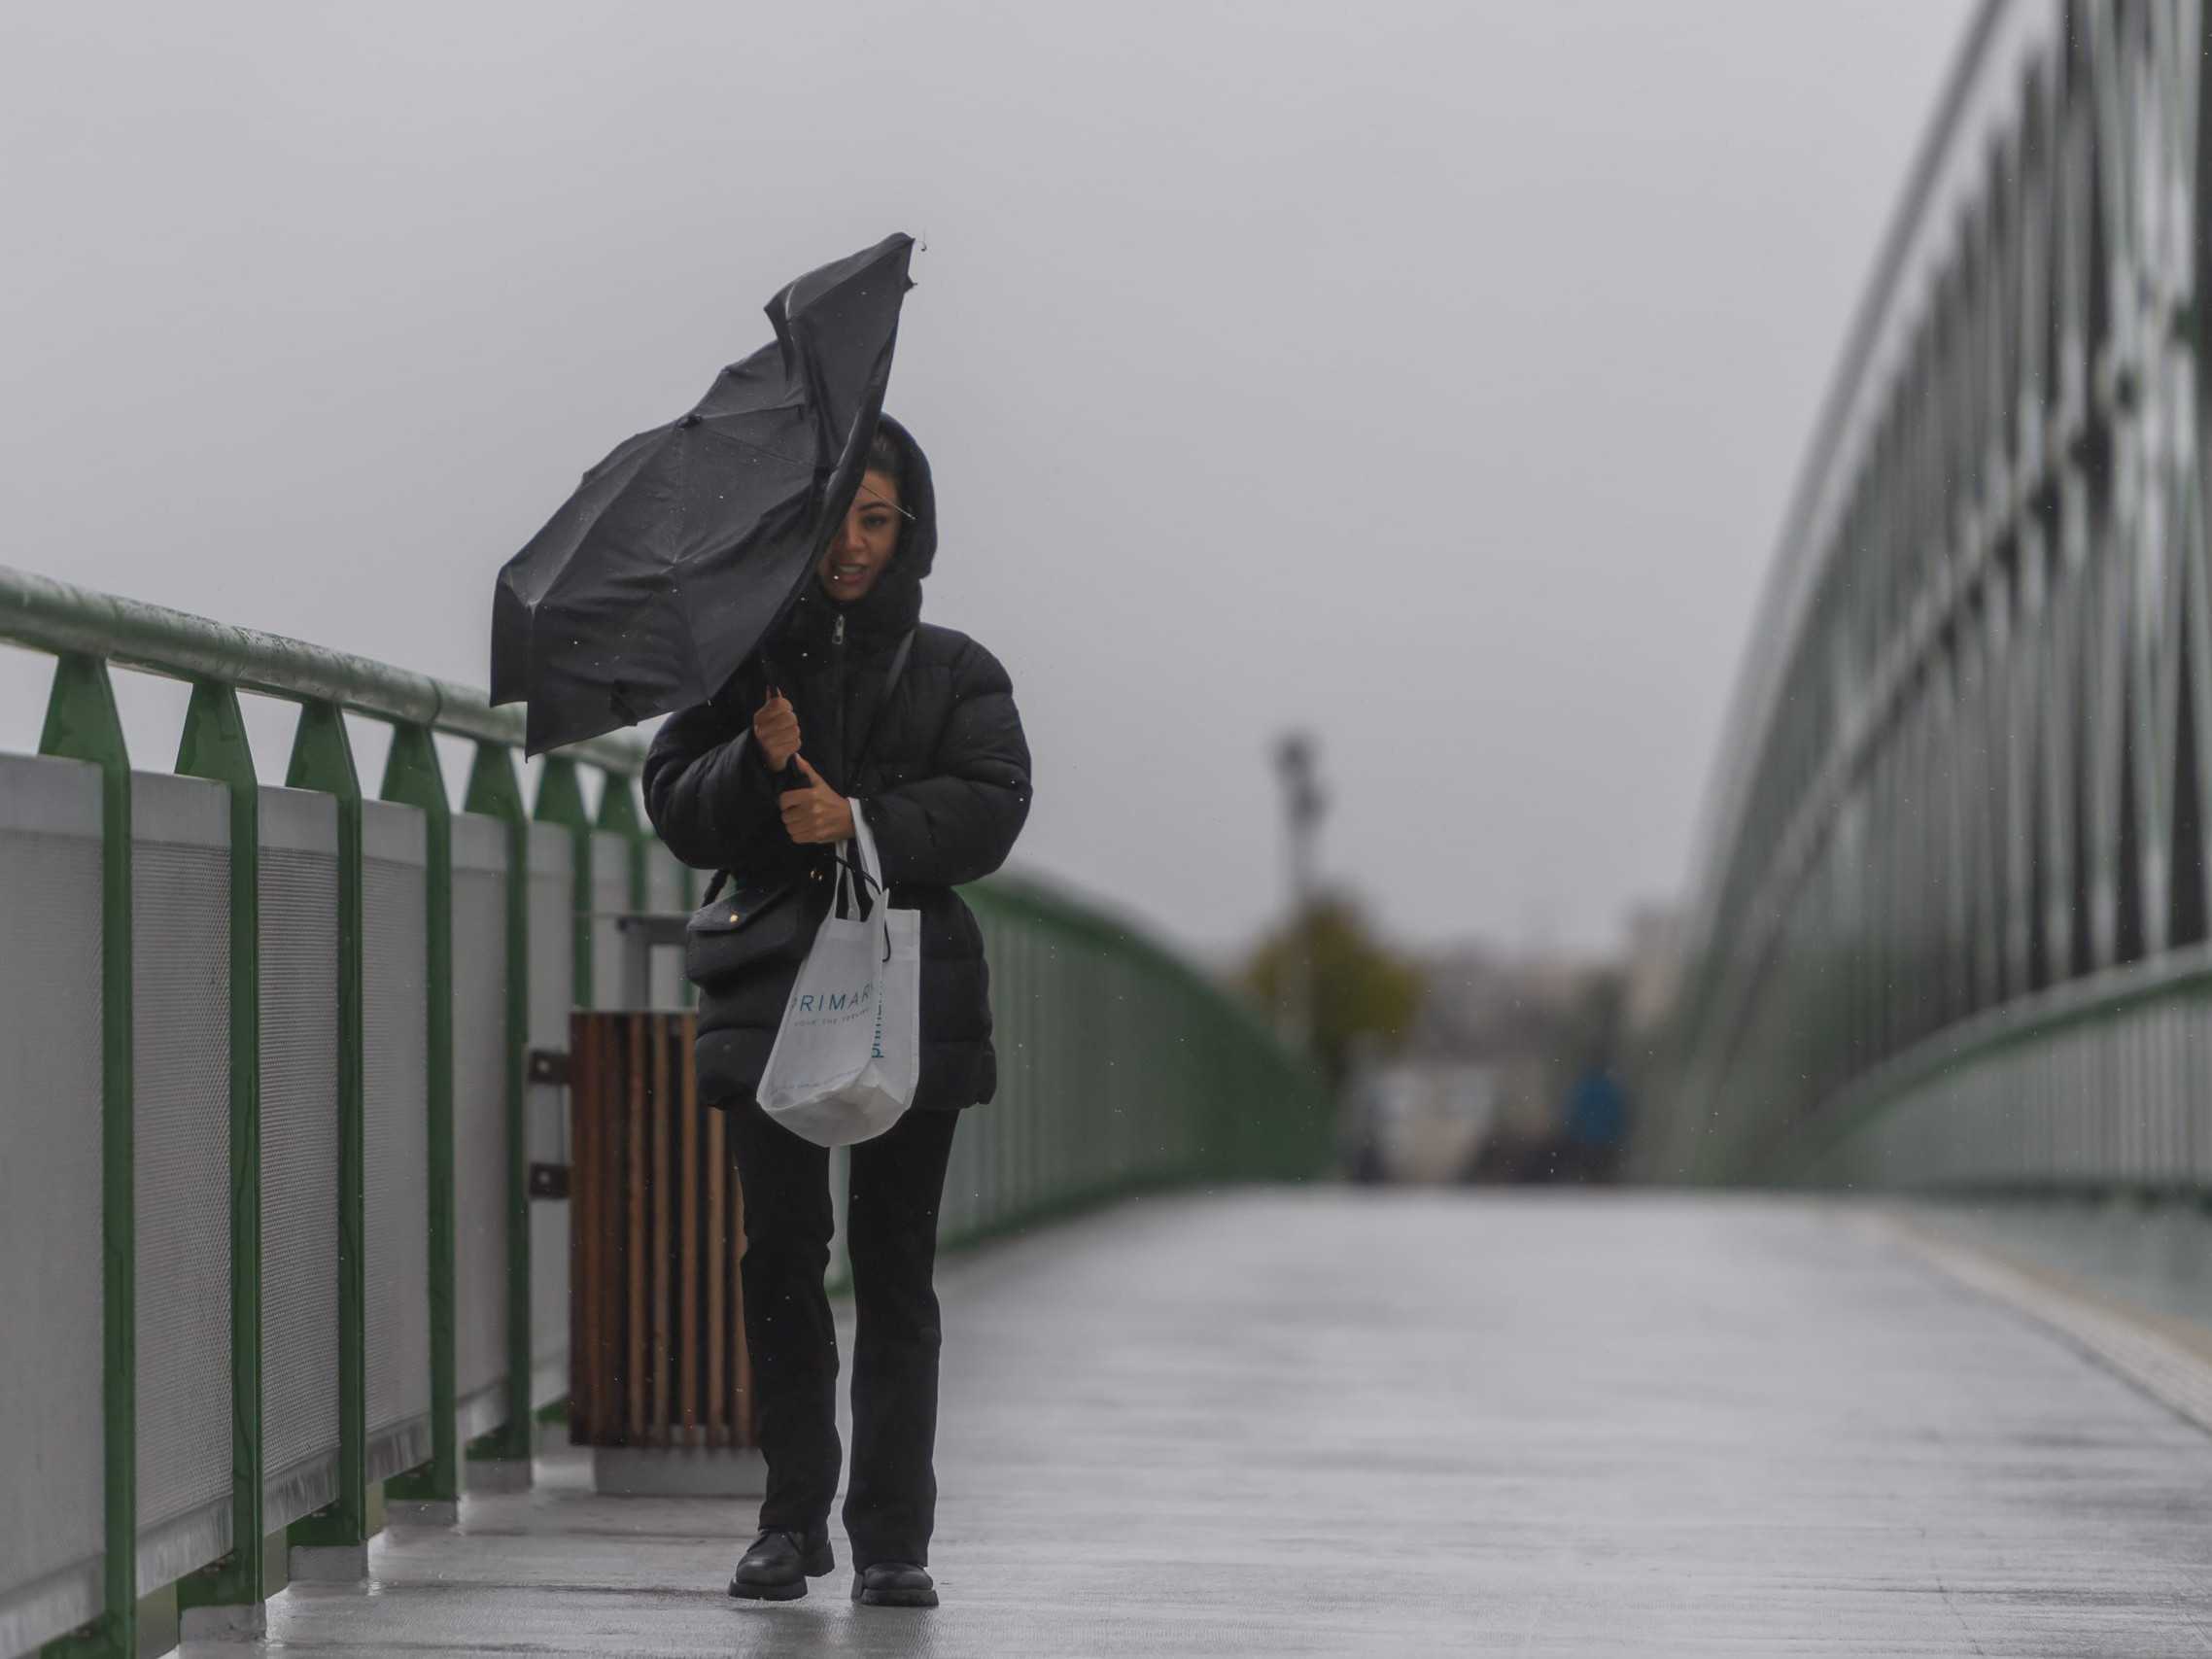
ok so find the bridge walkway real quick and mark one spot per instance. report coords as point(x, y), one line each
point(1330, 1422)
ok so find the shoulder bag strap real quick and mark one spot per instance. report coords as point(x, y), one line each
point(883, 700)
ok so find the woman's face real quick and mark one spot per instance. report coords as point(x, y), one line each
point(865, 542)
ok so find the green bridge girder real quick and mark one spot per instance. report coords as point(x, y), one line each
point(1951, 925)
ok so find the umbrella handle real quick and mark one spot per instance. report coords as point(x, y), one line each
point(790, 777)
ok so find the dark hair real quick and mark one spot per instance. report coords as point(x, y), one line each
point(887, 457)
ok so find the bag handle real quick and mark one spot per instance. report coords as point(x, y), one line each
point(864, 839)
point(855, 880)
point(872, 872)
point(859, 868)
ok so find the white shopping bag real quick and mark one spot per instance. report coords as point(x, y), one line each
point(847, 1056)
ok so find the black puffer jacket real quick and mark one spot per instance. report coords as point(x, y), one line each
point(945, 784)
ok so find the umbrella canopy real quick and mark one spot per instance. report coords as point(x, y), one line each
point(679, 552)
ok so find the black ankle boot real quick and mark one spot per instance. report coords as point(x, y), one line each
point(777, 1566)
point(893, 1584)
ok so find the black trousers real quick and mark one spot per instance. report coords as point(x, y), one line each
point(898, 1180)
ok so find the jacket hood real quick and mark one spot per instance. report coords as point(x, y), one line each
point(893, 606)
point(917, 541)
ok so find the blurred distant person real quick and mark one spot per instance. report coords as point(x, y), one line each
point(1596, 1127)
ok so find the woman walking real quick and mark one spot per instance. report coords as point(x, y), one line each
point(914, 726)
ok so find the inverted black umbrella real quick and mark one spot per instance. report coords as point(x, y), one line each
point(680, 550)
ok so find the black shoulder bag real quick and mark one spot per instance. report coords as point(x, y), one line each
point(746, 925)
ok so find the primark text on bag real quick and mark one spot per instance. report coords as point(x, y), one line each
point(848, 1056)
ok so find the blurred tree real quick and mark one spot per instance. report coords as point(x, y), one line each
point(1361, 987)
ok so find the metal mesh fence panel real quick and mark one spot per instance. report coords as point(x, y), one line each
point(479, 1106)
point(299, 1143)
point(396, 1111)
point(181, 989)
point(51, 1466)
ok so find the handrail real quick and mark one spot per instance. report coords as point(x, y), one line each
point(59, 617)
point(1982, 1037)
point(1084, 917)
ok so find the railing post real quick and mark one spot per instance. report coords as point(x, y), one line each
point(495, 791)
point(412, 778)
point(215, 747)
point(82, 724)
point(322, 759)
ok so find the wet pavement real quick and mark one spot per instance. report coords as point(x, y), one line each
point(1334, 1423)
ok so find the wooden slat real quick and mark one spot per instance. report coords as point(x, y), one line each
point(633, 1197)
point(611, 1125)
point(595, 1101)
point(692, 1335)
point(664, 1200)
point(657, 1230)
point(611, 1130)
point(606, 1180)
point(583, 1224)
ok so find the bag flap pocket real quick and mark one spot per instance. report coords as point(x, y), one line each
point(739, 907)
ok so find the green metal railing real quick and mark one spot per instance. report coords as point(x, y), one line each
point(1950, 926)
point(1122, 1067)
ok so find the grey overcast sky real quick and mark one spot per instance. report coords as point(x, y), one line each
point(1428, 375)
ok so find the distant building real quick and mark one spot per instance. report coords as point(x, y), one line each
point(1651, 970)
point(1423, 1122)
point(1500, 1043)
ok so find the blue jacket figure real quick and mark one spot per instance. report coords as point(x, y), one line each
point(1597, 1125)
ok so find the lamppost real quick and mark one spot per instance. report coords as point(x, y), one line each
point(1304, 803)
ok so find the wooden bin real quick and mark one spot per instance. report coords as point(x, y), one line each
point(657, 1354)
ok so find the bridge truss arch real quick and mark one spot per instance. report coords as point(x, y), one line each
point(1950, 925)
